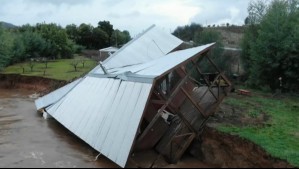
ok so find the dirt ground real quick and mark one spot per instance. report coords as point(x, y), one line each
point(27, 140)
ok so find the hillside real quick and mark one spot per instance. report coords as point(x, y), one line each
point(7, 25)
point(231, 36)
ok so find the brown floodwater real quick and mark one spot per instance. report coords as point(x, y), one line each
point(27, 140)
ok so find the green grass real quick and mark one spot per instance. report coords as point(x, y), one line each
point(280, 136)
point(58, 69)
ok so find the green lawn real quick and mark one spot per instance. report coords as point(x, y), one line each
point(58, 69)
point(280, 135)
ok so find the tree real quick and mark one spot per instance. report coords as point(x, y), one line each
point(210, 36)
point(58, 43)
point(120, 38)
point(106, 27)
point(85, 35)
point(45, 61)
point(273, 50)
point(31, 64)
point(187, 32)
point(256, 10)
point(22, 67)
point(6, 44)
point(75, 63)
point(100, 38)
point(72, 32)
point(18, 49)
point(34, 45)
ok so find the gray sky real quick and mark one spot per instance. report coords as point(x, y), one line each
point(132, 15)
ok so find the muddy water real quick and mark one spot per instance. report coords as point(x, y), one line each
point(27, 140)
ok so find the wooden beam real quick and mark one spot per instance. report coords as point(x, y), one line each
point(209, 89)
point(168, 101)
point(193, 102)
point(176, 111)
point(162, 102)
point(199, 71)
point(178, 154)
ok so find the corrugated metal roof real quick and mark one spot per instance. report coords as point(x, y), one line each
point(152, 44)
point(161, 65)
point(105, 113)
point(54, 96)
point(105, 110)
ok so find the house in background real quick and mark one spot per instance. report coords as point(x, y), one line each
point(106, 52)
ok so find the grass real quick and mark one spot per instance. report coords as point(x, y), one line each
point(280, 136)
point(58, 69)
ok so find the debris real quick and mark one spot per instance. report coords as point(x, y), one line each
point(34, 96)
point(97, 157)
point(244, 92)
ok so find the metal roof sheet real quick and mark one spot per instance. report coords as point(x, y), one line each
point(152, 44)
point(54, 96)
point(105, 110)
point(105, 113)
point(161, 65)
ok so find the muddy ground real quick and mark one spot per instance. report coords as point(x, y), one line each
point(27, 140)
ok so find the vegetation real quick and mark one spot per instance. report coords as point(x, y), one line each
point(62, 69)
point(187, 32)
point(32, 42)
point(271, 44)
point(51, 41)
point(97, 37)
point(202, 36)
point(278, 135)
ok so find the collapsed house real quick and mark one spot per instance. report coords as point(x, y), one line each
point(150, 94)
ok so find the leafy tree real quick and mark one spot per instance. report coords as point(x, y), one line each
point(72, 32)
point(18, 49)
point(57, 39)
point(34, 45)
point(256, 10)
point(6, 44)
point(120, 38)
point(210, 36)
point(106, 27)
point(273, 53)
point(75, 63)
point(187, 32)
point(85, 35)
point(100, 38)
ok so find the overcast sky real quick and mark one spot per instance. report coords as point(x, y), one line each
point(132, 15)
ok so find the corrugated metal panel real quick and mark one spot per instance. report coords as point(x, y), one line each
point(152, 44)
point(161, 65)
point(53, 97)
point(105, 113)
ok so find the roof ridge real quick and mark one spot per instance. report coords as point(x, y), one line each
point(129, 43)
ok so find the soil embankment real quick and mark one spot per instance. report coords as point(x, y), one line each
point(37, 84)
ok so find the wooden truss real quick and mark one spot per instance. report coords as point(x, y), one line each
point(187, 96)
